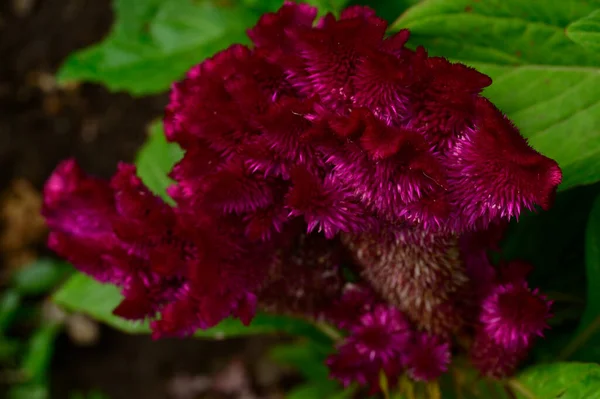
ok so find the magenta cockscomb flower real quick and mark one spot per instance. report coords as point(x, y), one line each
point(427, 358)
point(375, 345)
point(513, 315)
point(355, 301)
point(348, 367)
point(492, 359)
point(366, 115)
point(380, 334)
point(119, 232)
point(324, 206)
point(325, 145)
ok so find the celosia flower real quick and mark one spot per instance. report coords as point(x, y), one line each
point(380, 334)
point(428, 357)
point(493, 359)
point(121, 233)
point(513, 315)
point(376, 344)
point(324, 142)
point(355, 301)
point(349, 367)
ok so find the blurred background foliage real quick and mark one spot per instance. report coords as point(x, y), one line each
point(544, 58)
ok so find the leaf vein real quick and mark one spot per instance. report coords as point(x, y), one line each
point(558, 96)
point(541, 133)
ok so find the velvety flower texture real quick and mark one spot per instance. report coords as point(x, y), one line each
point(377, 343)
point(513, 314)
point(326, 145)
point(428, 357)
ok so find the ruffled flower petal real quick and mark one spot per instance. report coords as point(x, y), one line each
point(324, 147)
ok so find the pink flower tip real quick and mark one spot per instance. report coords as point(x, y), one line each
point(513, 315)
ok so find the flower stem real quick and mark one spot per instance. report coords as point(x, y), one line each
point(329, 331)
point(580, 339)
point(433, 390)
point(520, 388)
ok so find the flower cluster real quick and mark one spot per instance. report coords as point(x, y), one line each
point(325, 145)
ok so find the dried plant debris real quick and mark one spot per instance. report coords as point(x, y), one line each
point(21, 225)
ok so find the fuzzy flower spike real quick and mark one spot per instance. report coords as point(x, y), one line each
point(325, 144)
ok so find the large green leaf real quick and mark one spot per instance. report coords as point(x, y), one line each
point(564, 380)
point(154, 42)
point(387, 9)
point(586, 31)
point(155, 159)
point(84, 294)
point(325, 6)
point(559, 380)
point(40, 276)
point(544, 81)
point(325, 389)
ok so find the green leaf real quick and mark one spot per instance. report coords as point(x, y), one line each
point(9, 347)
point(586, 31)
point(543, 381)
point(9, 306)
point(546, 83)
point(84, 294)
point(326, 389)
point(347, 393)
point(559, 380)
point(307, 391)
point(39, 354)
point(306, 357)
point(34, 391)
point(325, 6)
point(387, 9)
point(40, 276)
point(154, 42)
point(155, 159)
